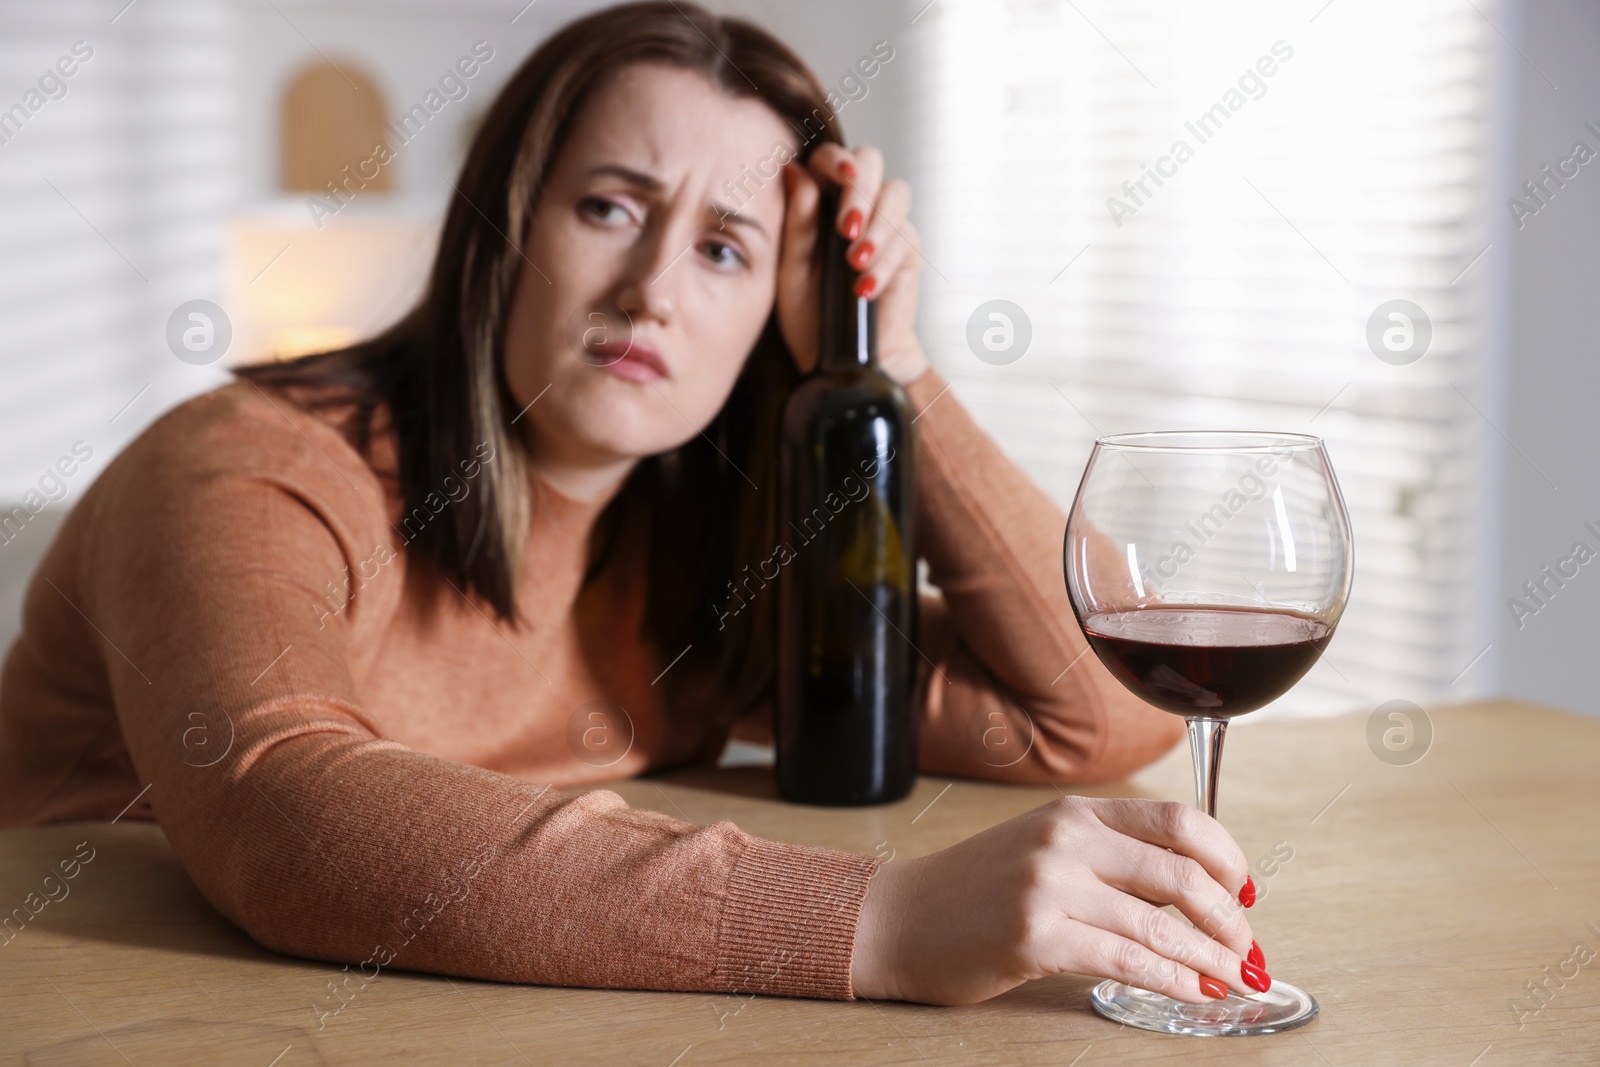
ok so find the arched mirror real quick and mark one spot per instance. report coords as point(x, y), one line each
point(332, 116)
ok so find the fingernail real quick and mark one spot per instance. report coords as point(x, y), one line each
point(1256, 957)
point(863, 252)
point(866, 286)
point(1247, 895)
point(1255, 977)
point(1212, 988)
point(852, 224)
point(847, 168)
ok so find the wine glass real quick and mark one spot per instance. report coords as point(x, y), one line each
point(1208, 570)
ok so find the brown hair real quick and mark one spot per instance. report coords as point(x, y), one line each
point(439, 371)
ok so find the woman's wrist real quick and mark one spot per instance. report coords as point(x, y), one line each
point(906, 365)
point(872, 962)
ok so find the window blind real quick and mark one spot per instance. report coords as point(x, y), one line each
point(115, 171)
point(113, 184)
point(1198, 208)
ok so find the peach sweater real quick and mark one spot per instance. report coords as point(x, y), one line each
point(375, 779)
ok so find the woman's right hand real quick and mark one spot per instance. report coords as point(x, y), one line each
point(1073, 886)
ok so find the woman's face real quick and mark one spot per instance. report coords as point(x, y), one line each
point(631, 248)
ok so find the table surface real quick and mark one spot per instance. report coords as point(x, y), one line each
point(1419, 901)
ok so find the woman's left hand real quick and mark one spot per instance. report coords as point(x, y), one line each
point(884, 247)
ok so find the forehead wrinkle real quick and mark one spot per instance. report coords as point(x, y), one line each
point(652, 136)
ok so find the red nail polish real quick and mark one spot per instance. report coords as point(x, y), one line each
point(858, 258)
point(847, 168)
point(1247, 895)
point(1256, 957)
point(852, 224)
point(1255, 977)
point(866, 286)
point(1212, 988)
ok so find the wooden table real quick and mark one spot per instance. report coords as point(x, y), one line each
point(1418, 903)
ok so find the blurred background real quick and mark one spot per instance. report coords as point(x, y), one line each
point(1372, 221)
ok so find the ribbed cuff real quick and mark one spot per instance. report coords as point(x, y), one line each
point(789, 920)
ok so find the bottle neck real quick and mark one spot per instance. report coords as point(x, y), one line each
point(855, 330)
point(848, 336)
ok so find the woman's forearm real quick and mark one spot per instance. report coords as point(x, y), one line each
point(322, 837)
point(1014, 678)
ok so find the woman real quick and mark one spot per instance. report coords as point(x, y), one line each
point(341, 625)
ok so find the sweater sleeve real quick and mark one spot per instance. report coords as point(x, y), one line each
point(1009, 688)
point(303, 824)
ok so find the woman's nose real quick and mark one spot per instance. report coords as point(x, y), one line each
point(647, 291)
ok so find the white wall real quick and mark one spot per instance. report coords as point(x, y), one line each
point(407, 46)
point(831, 36)
point(1552, 374)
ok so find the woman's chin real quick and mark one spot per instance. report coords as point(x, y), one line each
point(610, 415)
point(623, 431)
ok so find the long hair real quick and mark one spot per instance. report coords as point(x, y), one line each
point(439, 371)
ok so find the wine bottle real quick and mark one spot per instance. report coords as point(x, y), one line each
point(847, 631)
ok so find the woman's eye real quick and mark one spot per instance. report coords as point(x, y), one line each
point(723, 254)
point(603, 210)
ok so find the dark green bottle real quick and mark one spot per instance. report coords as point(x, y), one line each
point(847, 631)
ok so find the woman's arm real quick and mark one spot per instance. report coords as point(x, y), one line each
point(322, 838)
point(1009, 689)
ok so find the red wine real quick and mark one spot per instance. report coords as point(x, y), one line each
point(1210, 662)
point(847, 629)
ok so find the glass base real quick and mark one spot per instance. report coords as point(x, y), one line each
point(1283, 1007)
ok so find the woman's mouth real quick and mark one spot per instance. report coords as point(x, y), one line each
point(635, 361)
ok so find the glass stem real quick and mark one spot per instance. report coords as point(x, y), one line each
point(1205, 745)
